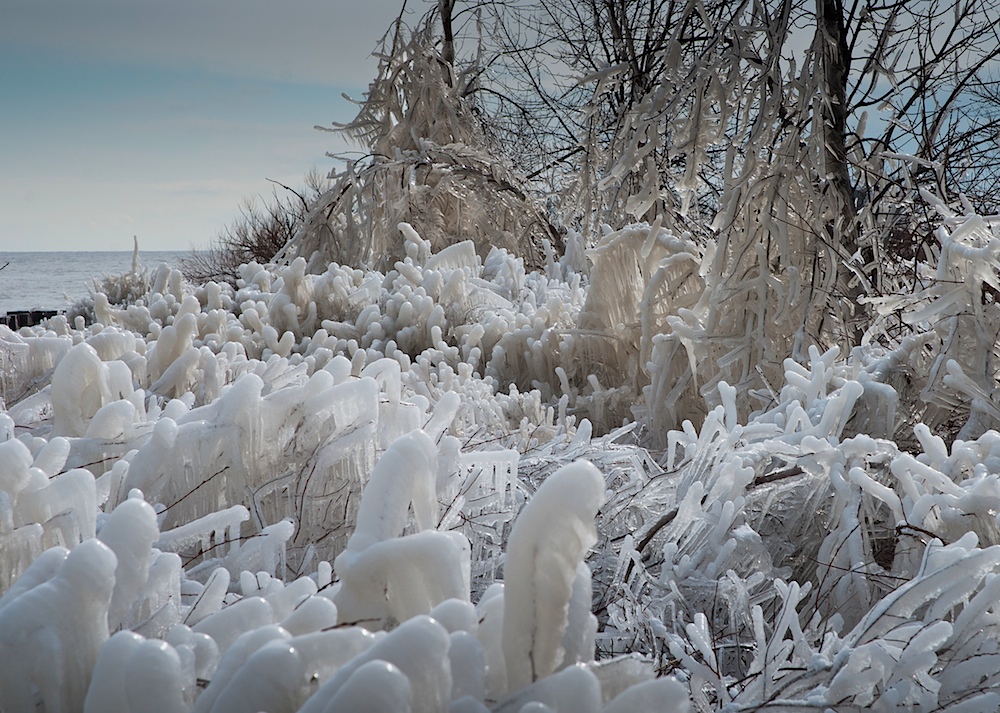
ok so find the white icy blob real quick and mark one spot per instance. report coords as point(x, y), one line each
point(227, 624)
point(468, 666)
point(312, 614)
point(286, 597)
point(159, 604)
point(272, 680)
point(202, 649)
point(81, 385)
point(490, 634)
point(404, 475)
point(456, 615)
point(547, 544)
point(402, 578)
point(233, 660)
point(581, 624)
point(65, 506)
point(375, 687)
point(42, 569)
point(325, 652)
point(130, 532)
point(6, 428)
point(468, 704)
point(384, 575)
point(51, 459)
point(419, 648)
point(210, 599)
point(50, 635)
point(572, 690)
point(617, 674)
point(266, 670)
point(664, 695)
point(136, 675)
point(21, 540)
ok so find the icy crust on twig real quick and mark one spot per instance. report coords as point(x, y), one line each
point(461, 486)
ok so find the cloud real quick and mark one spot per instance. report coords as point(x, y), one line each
point(307, 41)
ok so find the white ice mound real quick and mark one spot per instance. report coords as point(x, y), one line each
point(130, 532)
point(137, 675)
point(549, 540)
point(385, 574)
point(51, 634)
point(81, 385)
point(418, 648)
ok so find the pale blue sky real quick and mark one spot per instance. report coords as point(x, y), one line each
point(155, 118)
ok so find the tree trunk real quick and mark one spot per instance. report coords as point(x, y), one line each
point(835, 64)
point(841, 225)
point(447, 8)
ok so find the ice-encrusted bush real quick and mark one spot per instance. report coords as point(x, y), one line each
point(122, 289)
point(316, 490)
point(949, 356)
point(429, 164)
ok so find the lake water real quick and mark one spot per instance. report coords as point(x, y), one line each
point(55, 280)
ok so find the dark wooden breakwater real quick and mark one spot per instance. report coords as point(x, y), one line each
point(26, 318)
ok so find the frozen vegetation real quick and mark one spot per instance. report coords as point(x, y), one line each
point(731, 446)
point(408, 491)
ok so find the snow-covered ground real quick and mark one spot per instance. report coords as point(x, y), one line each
point(454, 486)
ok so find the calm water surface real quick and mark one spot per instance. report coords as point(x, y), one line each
point(55, 280)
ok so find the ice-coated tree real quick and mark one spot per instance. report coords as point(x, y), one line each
point(428, 164)
point(771, 130)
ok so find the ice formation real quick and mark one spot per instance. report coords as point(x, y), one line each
point(461, 486)
point(541, 628)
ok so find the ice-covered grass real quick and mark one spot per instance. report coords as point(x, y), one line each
point(461, 486)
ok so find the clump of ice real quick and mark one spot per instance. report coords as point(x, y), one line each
point(542, 627)
point(384, 574)
point(129, 532)
point(134, 674)
point(51, 633)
